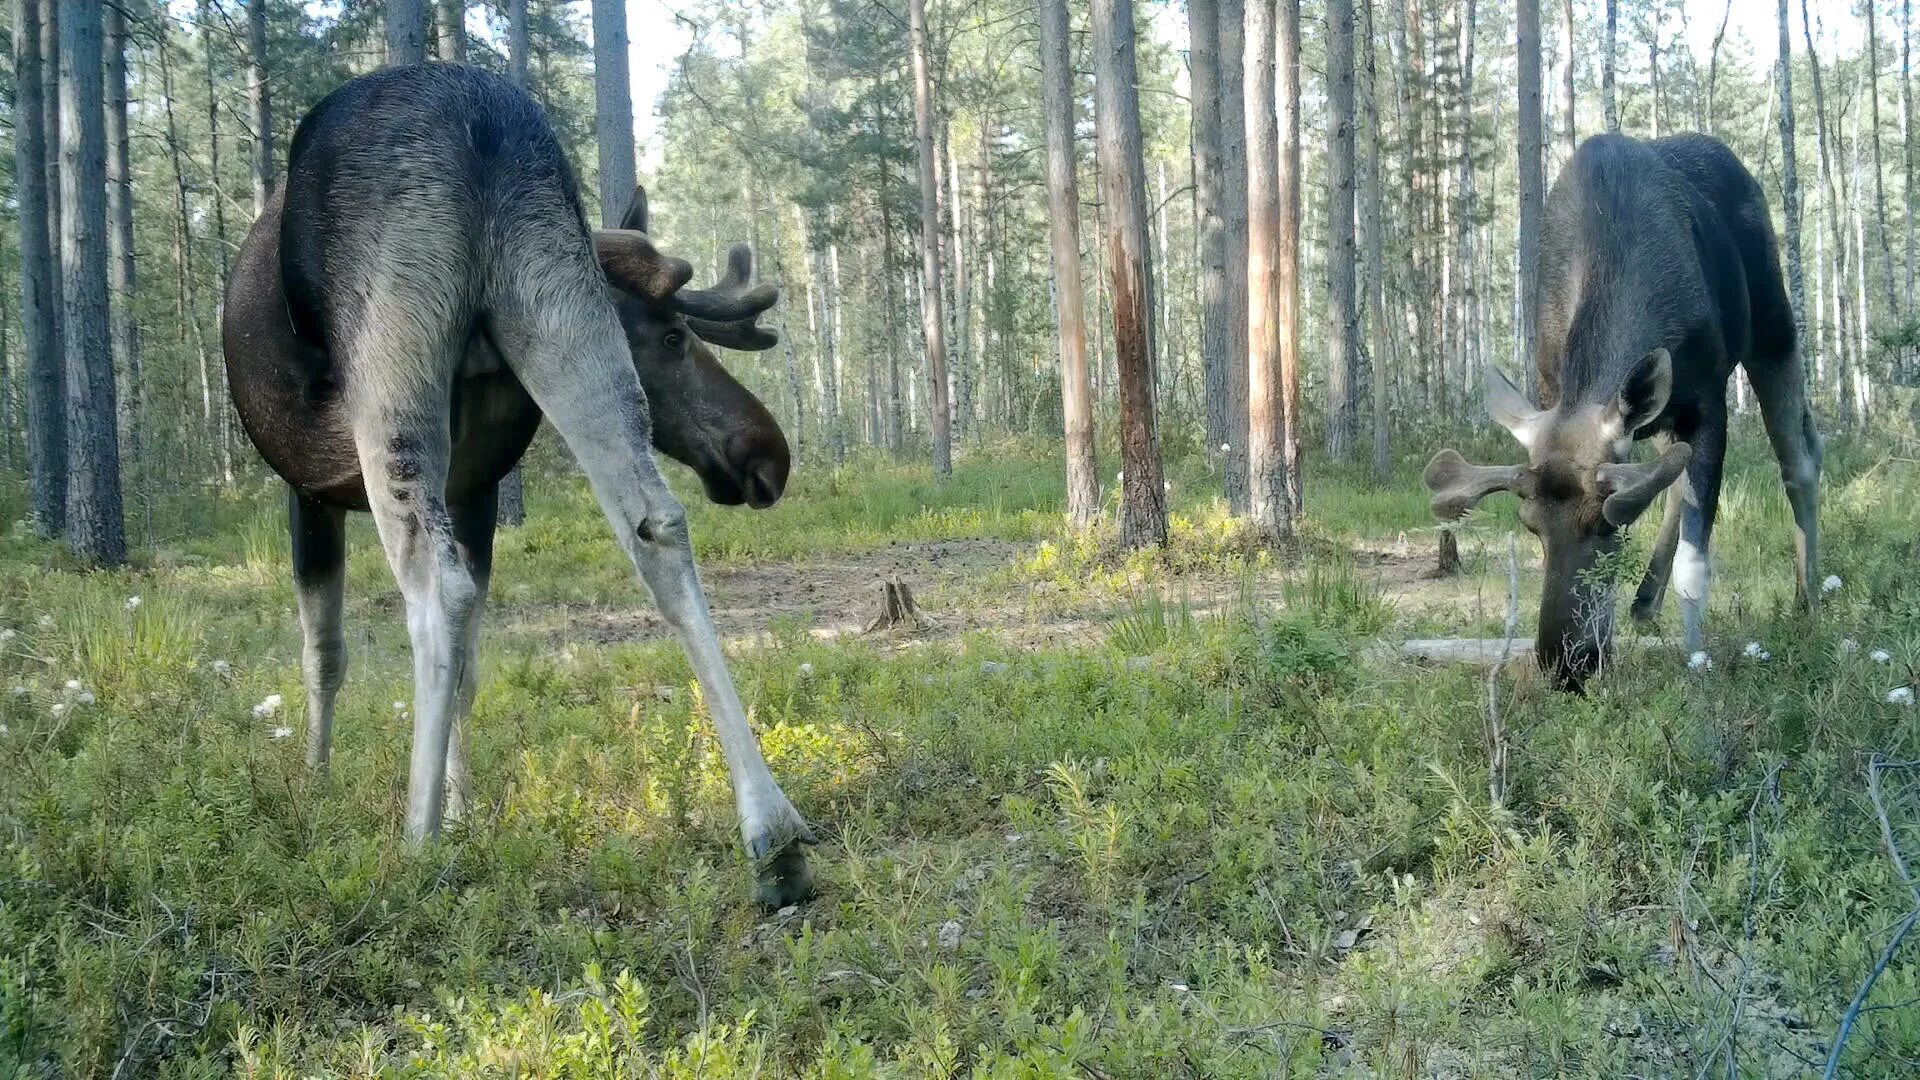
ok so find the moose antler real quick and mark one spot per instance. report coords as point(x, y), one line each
point(1458, 486)
point(724, 315)
point(632, 262)
point(1634, 486)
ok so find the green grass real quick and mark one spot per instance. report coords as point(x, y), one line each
point(1223, 842)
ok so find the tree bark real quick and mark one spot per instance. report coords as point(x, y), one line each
point(1465, 201)
point(1123, 190)
point(119, 176)
point(1836, 230)
point(1372, 249)
point(612, 109)
point(1233, 215)
point(1609, 48)
point(39, 279)
point(1288, 181)
point(1531, 182)
point(1063, 207)
point(1272, 505)
point(517, 34)
point(451, 31)
point(1203, 61)
point(1906, 146)
point(960, 267)
point(1343, 311)
point(1879, 168)
point(406, 32)
point(95, 530)
point(1566, 76)
point(260, 96)
point(1790, 178)
point(933, 321)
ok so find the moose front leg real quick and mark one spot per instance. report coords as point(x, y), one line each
point(319, 535)
point(577, 367)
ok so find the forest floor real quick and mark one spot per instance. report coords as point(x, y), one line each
point(1181, 813)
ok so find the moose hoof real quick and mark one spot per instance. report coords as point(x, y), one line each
point(1646, 611)
point(784, 879)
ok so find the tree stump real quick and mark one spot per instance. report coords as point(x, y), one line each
point(1449, 561)
point(898, 610)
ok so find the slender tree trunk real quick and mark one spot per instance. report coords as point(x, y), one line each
point(1532, 182)
point(1906, 145)
point(896, 421)
point(1123, 190)
point(985, 269)
point(1566, 84)
point(1233, 216)
point(1268, 458)
point(933, 322)
point(260, 96)
point(451, 27)
point(1372, 249)
point(1063, 215)
point(959, 268)
point(1609, 49)
point(612, 109)
point(406, 32)
point(119, 176)
point(1343, 309)
point(1465, 197)
point(1836, 231)
point(95, 529)
point(217, 198)
point(517, 33)
point(1203, 58)
point(1289, 179)
point(1790, 178)
point(1880, 218)
point(40, 299)
point(1653, 64)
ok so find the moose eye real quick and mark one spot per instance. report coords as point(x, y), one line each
point(674, 339)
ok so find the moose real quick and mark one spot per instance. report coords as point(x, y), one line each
point(1659, 272)
point(423, 289)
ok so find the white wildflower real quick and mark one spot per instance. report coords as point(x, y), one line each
point(949, 935)
point(223, 669)
point(58, 708)
point(3, 729)
point(272, 701)
point(260, 712)
point(6, 634)
point(73, 684)
point(1755, 652)
point(46, 621)
point(1700, 661)
point(1880, 656)
point(85, 697)
point(806, 671)
point(1848, 645)
point(282, 732)
point(399, 706)
point(1226, 448)
point(18, 691)
point(1900, 695)
point(1832, 584)
point(1180, 988)
point(132, 602)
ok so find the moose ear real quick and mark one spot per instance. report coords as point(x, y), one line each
point(1645, 395)
point(1510, 408)
point(636, 217)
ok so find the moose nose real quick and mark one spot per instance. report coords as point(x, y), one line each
point(760, 467)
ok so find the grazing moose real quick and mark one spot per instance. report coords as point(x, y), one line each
point(1658, 273)
point(422, 290)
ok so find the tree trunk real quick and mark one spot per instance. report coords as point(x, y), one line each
point(95, 530)
point(895, 420)
point(517, 33)
point(1203, 34)
point(1288, 181)
point(406, 32)
point(1566, 76)
point(1233, 214)
point(1465, 199)
point(1343, 310)
point(451, 27)
point(1906, 145)
point(933, 321)
point(612, 109)
point(1790, 179)
point(1372, 249)
point(260, 96)
point(119, 177)
point(1123, 190)
point(1531, 182)
point(1881, 221)
point(1653, 65)
point(1836, 230)
point(39, 279)
point(1272, 505)
point(1609, 48)
point(1063, 213)
point(960, 267)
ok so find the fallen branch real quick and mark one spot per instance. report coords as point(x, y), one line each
point(1875, 766)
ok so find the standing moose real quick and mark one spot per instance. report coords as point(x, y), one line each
point(420, 292)
point(1659, 272)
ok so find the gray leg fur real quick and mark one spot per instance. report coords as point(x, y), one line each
point(1782, 392)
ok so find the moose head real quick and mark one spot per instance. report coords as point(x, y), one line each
point(1576, 494)
point(702, 416)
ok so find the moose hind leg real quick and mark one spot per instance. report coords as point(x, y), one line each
point(1782, 392)
point(1699, 492)
point(319, 534)
point(576, 365)
point(1653, 587)
point(473, 524)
